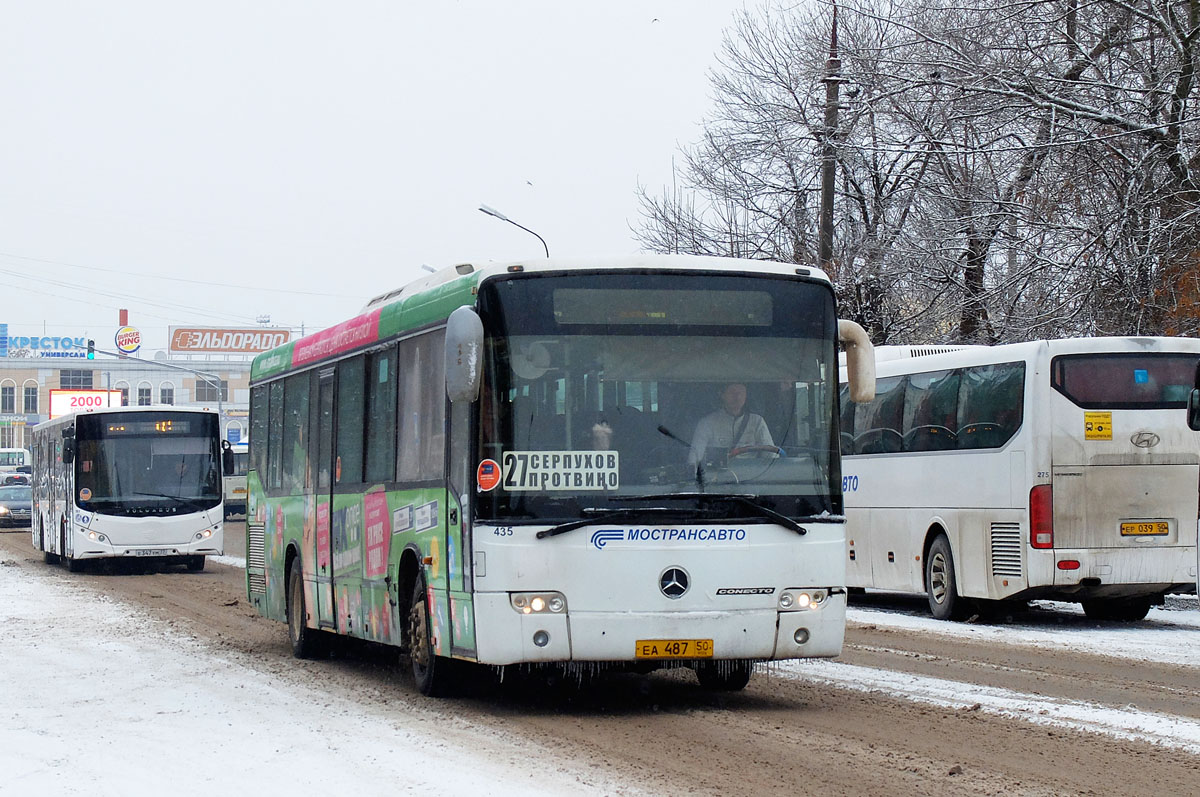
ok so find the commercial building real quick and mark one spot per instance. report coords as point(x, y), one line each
point(202, 367)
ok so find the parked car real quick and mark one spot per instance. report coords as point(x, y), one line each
point(16, 505)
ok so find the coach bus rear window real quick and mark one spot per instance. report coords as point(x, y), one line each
point(1124, 381)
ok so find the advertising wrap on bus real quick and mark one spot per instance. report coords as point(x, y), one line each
point(637, 467)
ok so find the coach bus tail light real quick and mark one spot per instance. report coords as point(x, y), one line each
point(1041, 517)
point(538, 602)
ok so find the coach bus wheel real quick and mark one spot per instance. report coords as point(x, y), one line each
point(431, 673)
point(944, 601)
point(195, 563)
point(304, 639)
point(1125, 610)
point(724, 676)
point(51, 558)
point(74, 565)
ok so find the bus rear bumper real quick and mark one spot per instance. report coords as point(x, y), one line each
point(1122, 572)
point(505, 636)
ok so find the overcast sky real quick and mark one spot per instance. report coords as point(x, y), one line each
point(157, 155)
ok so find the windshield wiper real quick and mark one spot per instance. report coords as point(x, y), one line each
point(601, 515)
point(193, 502)
point(745, 500)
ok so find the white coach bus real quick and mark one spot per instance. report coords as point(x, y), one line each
point(1052, 469)
point(128, 482)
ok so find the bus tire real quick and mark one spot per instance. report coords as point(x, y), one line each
point(432, 674)
point(944, 601)
point(195, 563)
point(724, 676)
point(1122, 610)
point(50, 558)
point(304, 639)
point(74, 565)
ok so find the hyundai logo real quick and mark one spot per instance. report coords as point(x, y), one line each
point(1144, 439)
point(673, 582)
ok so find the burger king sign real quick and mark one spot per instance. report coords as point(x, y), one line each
point(128, 340)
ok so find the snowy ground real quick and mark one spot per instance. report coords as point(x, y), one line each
point(105, 701)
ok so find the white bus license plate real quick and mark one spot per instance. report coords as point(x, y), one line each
point(1157, 528)
point(146, 552)
point(673, 649)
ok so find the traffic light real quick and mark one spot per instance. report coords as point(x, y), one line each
point(91, 349)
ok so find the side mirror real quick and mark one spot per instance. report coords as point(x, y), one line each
point(68, 433)
point(68, 451)
point(860, 361)
point(227, 463)
point(464, 355)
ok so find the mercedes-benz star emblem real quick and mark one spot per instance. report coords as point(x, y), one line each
point(1144, 439)
point(673, 582)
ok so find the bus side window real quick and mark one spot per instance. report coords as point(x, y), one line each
point(990, 408)
point(930, 411)
point(878, 424)
point(846, 409)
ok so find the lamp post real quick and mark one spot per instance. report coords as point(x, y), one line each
point(502, 217)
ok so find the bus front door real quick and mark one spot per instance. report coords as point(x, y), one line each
point(326, 617)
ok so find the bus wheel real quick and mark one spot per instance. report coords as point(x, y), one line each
point(944, 601)
point(73, 565)
point(1125, 610)
point(50, 558)
point(195, 563)
point(303, 638)
point(724, 676)
point(431, 673)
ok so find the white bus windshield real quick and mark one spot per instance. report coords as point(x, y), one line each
point(146, 463)
point(600, 389)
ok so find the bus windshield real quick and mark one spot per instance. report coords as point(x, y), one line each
point(147, 463)
point(605, 391)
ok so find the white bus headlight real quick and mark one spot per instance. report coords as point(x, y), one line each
point(538, 602)
point(794, 600)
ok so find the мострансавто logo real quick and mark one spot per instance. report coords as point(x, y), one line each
point(603, 537)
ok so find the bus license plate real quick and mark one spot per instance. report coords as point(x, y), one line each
point(1156, 528)
point(146, 552)
point(673, 649)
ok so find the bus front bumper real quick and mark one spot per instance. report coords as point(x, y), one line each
point(504, 636)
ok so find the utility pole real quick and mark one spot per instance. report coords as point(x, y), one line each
point(833, 77)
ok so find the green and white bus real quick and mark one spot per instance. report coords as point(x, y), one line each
point(494, 464)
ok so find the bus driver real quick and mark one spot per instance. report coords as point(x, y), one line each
point(729, 428)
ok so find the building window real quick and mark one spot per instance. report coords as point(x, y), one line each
point(124, 396)
point(207, 390)
point(144, 397)
point(75, 379)
point(166, 394)
point(8, 399)
point(31, 399)
point(8, 436)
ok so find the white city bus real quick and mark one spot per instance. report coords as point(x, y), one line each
point(495, 465)
point(136, 482)
point(1052, 469)
point(234, 481)
point(13, 458)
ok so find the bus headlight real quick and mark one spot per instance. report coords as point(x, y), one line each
point(538, 602)
point(203, 535)
point(97, 537)
point(798, 600)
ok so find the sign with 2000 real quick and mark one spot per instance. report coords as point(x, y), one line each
point(65, 401)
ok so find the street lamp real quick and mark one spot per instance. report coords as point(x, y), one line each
point(502, 217)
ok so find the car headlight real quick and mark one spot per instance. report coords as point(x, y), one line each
point(3, 510)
